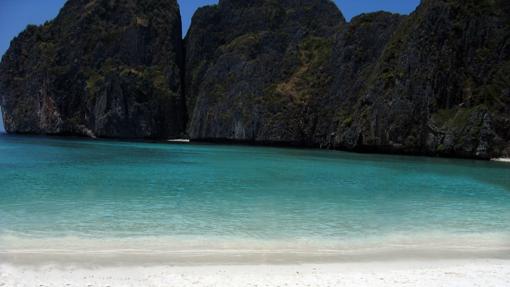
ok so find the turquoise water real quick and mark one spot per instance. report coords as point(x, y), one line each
point(106, 195)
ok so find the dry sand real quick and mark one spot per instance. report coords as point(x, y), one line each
point(449, 273)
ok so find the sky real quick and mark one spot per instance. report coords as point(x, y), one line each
point(15, 15)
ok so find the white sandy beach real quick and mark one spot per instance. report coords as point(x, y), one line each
point(404, 273)
point(458, 261)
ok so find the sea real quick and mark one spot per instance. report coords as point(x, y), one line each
point(115, 201)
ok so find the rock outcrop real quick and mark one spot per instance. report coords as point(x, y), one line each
point(435, 82)
point(293, 72)
point(356, 50)
point(253, 66)
point(105, 68)
point(441, 86)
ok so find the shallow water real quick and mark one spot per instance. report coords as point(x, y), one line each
point(67, 196)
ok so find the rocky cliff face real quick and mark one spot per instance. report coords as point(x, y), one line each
point(106, 68)
point(436, 82)
point(441, 85)
point(253, 66)
point(253, 76)
point(354, 56)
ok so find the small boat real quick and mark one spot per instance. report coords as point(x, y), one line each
point(179, 141)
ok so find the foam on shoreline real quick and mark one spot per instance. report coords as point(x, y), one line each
point(193, 251)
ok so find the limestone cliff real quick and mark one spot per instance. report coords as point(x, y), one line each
point(105, 68)
point(253, 66)
point(435, 82)
point(293, 72)
point(441, 86)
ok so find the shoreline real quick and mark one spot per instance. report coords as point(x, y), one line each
point(468, 262)
point(226, 250)
point(479, 272)
point(183, 141)
point(365, 150)
point(108, 258)
point(505, 160)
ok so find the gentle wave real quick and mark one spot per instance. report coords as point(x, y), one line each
point(222, 249)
